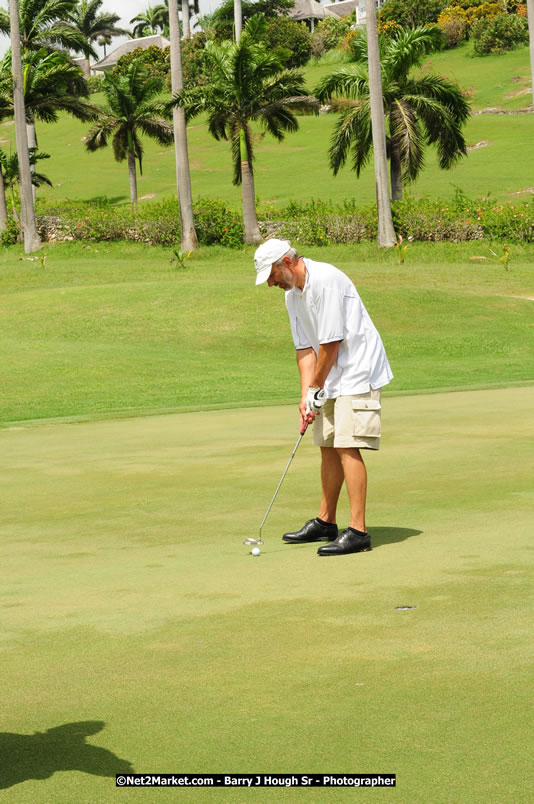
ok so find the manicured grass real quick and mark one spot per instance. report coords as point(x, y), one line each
point(138, 628)
point(115, 329)
point(298, 168)
point(498, 81)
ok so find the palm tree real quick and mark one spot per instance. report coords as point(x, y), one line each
point(104, 41)
point(94, 25)
point(247, 85)
point(183, 176)
point(148, 22)
point(44, 24)
point(530, 16)
point(386, 232)
point(32, 241)
point(52, 84)
point(420, 109)
point(163, 17)
point(133, 109)
point(186, 22)
point(10, 177)
point(238, 19)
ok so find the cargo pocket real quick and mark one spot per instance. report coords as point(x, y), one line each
point(366, 418)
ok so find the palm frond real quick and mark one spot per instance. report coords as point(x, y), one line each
point(349, 82)
point(358, 48)
point(100, 133)
point(407, 48)
point(193, 101)
point(352, 131)
point(157, 129)
point(219, 123)
point(442, 128)
point(119, 143)
point(406, 138)
point(442, 90)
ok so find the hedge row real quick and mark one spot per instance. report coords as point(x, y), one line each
point(310, 223)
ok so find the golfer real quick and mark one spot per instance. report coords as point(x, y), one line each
point(342, 365)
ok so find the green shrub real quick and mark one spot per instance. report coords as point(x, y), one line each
point(348, 39)
point(156, 60)
point(330, 32)
point(154, 222)
point(10, 235)
point(215, 222)
point(222, 19)
point(410, 13)
point(453, 24)
point(290, 40)
point(388, 28)
point(311, 223)
point(503, 32)
point(485, 10)
point(94, 84)
point(193, 60)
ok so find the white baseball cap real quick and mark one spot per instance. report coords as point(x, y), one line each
point(266, 254)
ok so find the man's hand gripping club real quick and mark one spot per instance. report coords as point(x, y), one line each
point(315, 399)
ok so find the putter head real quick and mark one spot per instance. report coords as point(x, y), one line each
point(250, 540)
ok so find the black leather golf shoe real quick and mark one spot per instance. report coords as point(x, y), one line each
point(313, 531)
point(348, 541)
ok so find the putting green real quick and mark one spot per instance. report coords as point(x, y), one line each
point(139, 633)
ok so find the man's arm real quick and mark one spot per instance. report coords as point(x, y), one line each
point(306, 362)
point(313, 373)
point(326, 359)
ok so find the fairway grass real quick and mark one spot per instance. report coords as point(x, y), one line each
point(140, 630)
point(114, 329)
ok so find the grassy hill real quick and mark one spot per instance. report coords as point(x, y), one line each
point(298, 168)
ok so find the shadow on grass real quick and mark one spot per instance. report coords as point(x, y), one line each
point(382, 536)
point(61, 748)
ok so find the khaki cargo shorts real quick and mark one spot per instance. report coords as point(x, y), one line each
point(349, 421)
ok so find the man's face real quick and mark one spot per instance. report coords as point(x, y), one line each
point(282, 276)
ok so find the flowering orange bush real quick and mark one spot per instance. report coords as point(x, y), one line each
point(453, 23)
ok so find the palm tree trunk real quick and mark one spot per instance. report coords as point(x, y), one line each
point(14, 209)
point(238, 19)
point(185, 19)
point(132, 173)
point(31, 135)
point(183, 176)
point(530, 14)
point(386, 232)
point(3, 205)
point(87, 65)
point(395, 173)
point(32, 241)
point(252, 234)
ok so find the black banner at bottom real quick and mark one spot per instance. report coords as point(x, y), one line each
point(256, 780)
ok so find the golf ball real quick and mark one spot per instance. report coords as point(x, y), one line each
point(255, 551)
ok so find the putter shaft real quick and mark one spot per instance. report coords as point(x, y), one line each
point(281, 481)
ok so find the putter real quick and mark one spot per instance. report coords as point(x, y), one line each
point(251, 540)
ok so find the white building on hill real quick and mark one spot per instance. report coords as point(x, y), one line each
point(109, 62)
point(345, 7)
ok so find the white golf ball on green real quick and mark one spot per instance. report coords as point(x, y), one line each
point(255, 551)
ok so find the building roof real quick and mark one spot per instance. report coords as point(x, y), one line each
point(343, 8)
point(132, 44)
point(309, 10)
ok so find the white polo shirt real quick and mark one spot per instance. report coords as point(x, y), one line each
point(330, 309)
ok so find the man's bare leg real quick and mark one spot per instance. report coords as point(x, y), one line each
point(332, 477)
point(355, 475)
